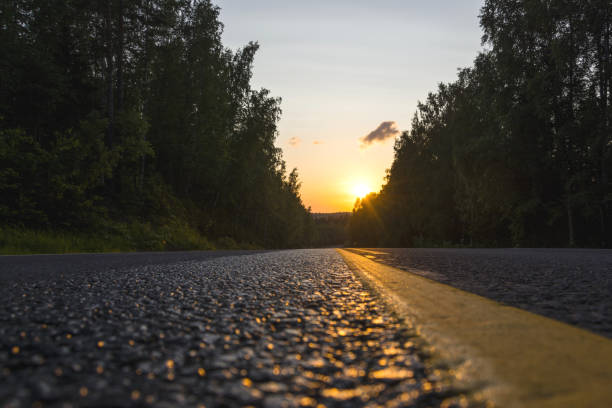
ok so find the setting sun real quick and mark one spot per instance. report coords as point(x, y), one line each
point(361, 190)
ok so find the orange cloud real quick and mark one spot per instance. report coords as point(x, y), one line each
point(294, 141)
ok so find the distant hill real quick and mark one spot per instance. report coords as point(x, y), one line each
point(331, 228)
point(330, 215)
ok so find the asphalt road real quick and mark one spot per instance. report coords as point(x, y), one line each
point(276, 329)
point(570, 285)
point(37, 267)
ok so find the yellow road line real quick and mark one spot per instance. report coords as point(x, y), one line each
point(368, 251)
point(524, 360)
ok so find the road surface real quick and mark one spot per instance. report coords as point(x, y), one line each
point(276, 329)
point(269, 329)
point(570, 285)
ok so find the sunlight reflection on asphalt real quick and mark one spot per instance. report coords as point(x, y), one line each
point(283, 329)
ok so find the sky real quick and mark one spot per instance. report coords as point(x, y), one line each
point(350, 74)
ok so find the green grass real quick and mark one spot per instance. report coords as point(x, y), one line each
point(21, 241)
point(135, 236)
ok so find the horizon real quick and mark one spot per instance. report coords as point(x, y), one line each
point(335, 127)
point(431, 124)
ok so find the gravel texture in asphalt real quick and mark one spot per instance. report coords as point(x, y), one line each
point(570, 285)
point(279, 329)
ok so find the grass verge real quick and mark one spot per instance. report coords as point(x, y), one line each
point(118, 238)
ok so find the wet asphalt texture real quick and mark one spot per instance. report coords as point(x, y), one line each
point(276, 329)
point(570, 285)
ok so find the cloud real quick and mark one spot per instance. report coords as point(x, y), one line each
point(294, 141)
point(317, 142)
point(383, 132)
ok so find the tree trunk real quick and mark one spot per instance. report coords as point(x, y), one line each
point(120, 57)
point(605, 95)
point(602, 224)
point(142, 167)
point(569, 145)
point(110, 102)
point(570, 220)
point(143, 108)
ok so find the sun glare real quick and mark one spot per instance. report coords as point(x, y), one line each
point(361, 190)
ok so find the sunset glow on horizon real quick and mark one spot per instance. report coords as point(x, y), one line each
point(348, 92)
point(361, 190)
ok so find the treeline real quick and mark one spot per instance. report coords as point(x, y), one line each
point(516, 152)
point(331, 229)
point(118, 111)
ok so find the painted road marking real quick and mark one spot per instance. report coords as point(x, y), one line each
point(369, 251)
point(522, 359)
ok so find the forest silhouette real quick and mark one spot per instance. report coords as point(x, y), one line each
point(132, 115)
point(132, 118)
point(516, 151)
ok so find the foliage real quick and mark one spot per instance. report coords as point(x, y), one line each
point(515, 152)
point(331, 229)
point(113, 238)
point(134, 113)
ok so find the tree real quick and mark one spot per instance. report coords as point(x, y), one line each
point(137, 111)
point(517, 150)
